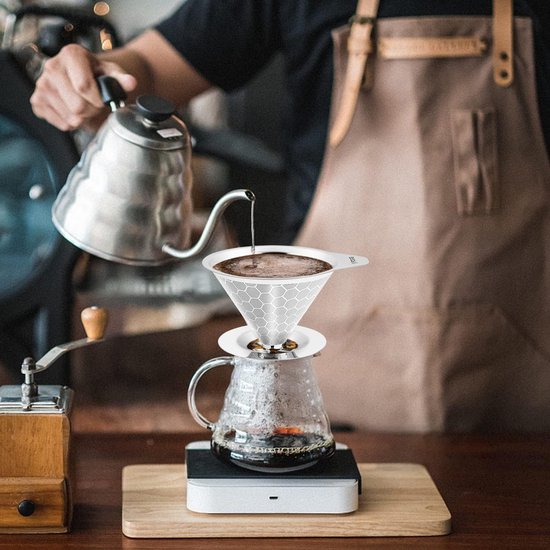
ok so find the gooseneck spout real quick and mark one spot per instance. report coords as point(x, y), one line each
point(215, 214)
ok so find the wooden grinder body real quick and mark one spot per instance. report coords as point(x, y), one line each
point(35, 473)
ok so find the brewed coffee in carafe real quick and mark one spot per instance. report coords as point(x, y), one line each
point(272, 418)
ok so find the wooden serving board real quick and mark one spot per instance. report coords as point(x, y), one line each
point(397, 500)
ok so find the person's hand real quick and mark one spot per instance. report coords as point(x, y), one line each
point(66, 94)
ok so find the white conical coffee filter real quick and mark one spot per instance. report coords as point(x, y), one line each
point(273, 307)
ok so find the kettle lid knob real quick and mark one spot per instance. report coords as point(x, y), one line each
point(154, 108)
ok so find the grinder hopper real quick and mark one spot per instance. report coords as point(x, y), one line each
point(273, 307)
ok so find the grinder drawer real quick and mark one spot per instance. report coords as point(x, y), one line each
point(34, 505)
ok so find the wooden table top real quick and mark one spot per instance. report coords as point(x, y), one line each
point(496, 487)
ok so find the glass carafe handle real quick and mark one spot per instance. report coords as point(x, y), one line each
point(212, 363)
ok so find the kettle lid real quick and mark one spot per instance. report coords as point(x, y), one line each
point(150, 123)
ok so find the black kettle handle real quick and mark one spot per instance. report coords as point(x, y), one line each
point(112, 93)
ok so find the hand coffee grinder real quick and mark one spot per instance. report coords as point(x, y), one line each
point(35, 492)
point(273, 436)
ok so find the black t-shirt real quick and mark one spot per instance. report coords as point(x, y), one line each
point(230, 41)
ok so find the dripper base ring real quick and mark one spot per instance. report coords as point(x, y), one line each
point(244, 342)
point(256, 345)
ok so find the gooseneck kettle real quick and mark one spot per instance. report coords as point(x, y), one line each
point(128, 199)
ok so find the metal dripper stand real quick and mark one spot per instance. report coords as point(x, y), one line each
point(35, 485)
point(272, 450)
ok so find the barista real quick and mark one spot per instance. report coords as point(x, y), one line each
point(441, 178)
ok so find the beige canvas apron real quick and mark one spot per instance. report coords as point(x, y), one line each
point(442, 181)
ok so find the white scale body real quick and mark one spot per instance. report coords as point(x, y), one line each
point(271, 495)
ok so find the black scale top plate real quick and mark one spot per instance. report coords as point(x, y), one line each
point(202, 464)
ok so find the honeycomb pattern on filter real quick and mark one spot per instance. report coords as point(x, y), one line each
point(273, 309)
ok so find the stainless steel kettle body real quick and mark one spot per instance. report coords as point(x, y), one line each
point(129, 198)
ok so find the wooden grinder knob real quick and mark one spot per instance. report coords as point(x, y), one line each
point(94, 320)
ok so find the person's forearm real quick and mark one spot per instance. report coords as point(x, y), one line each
point(67, 96)
point(159, 68)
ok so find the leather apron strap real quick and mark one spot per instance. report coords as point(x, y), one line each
point(359, 47)
point(503, 63)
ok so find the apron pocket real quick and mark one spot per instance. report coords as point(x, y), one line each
point(475, 161)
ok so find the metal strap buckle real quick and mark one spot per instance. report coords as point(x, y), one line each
point(361, 19)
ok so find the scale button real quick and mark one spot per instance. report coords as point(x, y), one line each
point(26, 507)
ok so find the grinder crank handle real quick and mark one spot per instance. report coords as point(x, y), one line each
point(94, 320)
point(211, 364)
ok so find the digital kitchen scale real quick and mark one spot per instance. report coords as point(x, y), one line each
point(331, 486)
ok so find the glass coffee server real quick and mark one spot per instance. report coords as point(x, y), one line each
point(273, 419)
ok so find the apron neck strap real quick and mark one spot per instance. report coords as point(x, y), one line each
point(362, 24)
point(359, 47)
point(503, 63)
